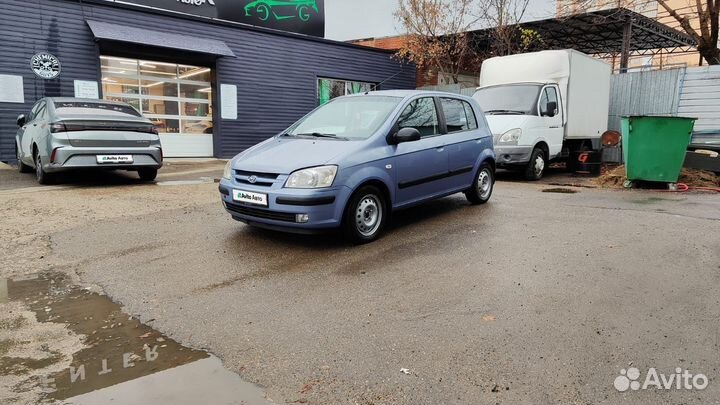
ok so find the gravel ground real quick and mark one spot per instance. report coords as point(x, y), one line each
point(534, 298)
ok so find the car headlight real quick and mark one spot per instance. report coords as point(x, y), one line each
point(510, 136)
point(227, 173)
point(313, 177)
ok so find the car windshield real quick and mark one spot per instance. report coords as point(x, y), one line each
point(353, 118)
point(89, 108)
point(509, 99)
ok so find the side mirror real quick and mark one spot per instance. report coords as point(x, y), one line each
point(551, 109)
point(21, 120)
point(408, 134)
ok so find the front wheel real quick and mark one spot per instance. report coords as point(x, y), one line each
point(22, 167)
point(147, 174)
point(483, 185)
point(536, 166)
point(365, 215)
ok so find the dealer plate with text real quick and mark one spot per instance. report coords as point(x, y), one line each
point(250, 197)
point(104, 159)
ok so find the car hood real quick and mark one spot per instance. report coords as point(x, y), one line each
point(284, 155)
point(499, 124)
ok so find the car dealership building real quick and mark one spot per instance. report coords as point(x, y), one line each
point(215, 76)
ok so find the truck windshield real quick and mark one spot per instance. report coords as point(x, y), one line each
point(351, 118)
point(509, 99)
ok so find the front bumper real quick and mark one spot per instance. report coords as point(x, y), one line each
point(512, 155)
point(71, 157)
point(324, 207)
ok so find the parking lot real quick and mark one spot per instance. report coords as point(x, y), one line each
point(536, 297)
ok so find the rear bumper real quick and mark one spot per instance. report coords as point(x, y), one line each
point(512, 155)
point(72, 157)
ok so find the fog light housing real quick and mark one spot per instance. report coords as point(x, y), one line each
point(302, 218)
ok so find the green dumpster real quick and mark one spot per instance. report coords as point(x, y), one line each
point(654, 147)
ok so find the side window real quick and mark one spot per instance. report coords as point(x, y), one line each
point(470, 114)
point(549, 94)
point(42, 112)
point(34, 110)
point(421, 115)
point(455, 116)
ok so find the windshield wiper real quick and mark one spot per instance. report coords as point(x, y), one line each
point(321, 135)
point(514, 112)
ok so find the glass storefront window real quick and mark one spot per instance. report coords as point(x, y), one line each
point(328, 89)
point(176, 98)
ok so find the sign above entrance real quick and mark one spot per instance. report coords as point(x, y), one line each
point(300, 16)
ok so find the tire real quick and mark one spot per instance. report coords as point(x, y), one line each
point(40, 174)
point(22, 167)
point(483, 185)
point(536, 166)
point(147, 174)
point(365, 215)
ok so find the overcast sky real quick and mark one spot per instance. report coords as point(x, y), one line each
point(355, 19)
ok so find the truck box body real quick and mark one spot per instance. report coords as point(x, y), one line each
point(583, 80)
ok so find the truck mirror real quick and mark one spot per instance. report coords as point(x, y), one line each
point(551, 109)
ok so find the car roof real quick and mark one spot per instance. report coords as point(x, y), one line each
point(82, 100)
point(410, 93)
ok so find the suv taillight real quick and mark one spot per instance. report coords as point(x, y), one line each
point(57, 127)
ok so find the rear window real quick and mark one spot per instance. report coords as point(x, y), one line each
point(89, 108)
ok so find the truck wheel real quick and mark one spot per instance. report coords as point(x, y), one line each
point(483, 184)
point(536, 166)
point(365, 215)
point(22, 167)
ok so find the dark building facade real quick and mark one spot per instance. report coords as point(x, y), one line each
point(213, 88)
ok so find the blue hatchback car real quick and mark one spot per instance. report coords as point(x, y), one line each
point(351, 162)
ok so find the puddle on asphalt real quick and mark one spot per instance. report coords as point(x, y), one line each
point(561, 190)
point(122, 360)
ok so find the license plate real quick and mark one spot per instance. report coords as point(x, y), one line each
point(102, 159)
point(250, 197)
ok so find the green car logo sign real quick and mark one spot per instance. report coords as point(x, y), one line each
point(280, 10)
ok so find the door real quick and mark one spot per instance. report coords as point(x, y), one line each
point(422, 165)
point(551, 120)
point(464, 140)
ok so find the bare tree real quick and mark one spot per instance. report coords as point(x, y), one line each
point(699, 19)
point(438, 35)
point(503, 17)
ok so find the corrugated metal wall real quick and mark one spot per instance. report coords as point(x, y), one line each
point(644, 93)
point(276, 74)
point(700, 97)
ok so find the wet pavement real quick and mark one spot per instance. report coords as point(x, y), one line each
point(121, 360)
point(537, 297)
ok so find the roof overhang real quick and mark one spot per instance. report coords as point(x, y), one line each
point(141, 36)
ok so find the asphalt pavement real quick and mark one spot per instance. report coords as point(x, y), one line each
point(536, 297)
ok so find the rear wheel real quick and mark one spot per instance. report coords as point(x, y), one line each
point(536, 166)
point(483, 185)
point(40, 174)
point(22, 167)
point(147, 174)
point(365, 215)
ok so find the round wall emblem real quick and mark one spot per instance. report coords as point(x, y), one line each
point(45, 65)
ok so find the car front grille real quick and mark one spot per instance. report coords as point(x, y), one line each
point(260, 213)
point(261, 179)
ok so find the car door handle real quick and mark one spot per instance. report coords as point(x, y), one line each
point(556, 126)
point(440, 149)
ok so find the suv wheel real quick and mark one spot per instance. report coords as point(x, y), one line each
point(365, 215)
point(483, 185)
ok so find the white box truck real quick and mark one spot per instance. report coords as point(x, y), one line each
point(543, 106)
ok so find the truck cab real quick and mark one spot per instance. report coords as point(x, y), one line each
point(543, 106)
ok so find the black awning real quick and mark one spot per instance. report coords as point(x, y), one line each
point(122, 33)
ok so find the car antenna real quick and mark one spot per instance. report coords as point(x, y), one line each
point(375, 86)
